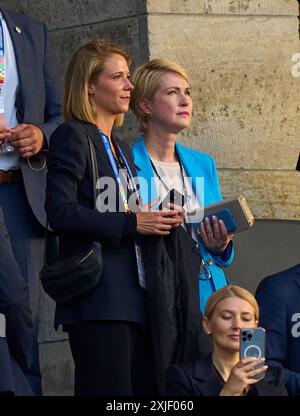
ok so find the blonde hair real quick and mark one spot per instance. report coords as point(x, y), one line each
point(229, 292)
point(84, 68)
point(146, 80)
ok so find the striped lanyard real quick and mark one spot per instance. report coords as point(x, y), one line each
point(2, 67)
point(115, 169)
point(137, 244)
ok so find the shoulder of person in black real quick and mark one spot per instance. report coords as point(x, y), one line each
point(200, 378)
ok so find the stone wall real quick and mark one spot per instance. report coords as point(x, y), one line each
point(246, 101)
point(246, 113)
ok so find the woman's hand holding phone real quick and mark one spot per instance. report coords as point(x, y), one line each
point(242, 376)
point(214, 235)
point(151, 222)
point(180, 214)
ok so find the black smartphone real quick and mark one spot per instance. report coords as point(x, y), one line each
point(173, 197)
point(252, 344)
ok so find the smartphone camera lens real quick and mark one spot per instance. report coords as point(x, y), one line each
point(249, 336)
point(244, 339)
point(244, 333)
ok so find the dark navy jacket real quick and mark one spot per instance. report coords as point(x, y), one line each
point(39, 103)
point(200, 378)
point(278, 297)
point(71, 213)
point(40, 94)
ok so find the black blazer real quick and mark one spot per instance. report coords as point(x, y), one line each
point(173, 294)
point(69, 206)
point(39, 96)
point(200, 378)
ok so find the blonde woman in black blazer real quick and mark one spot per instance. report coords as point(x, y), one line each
point(223, 373)
point(108, 328)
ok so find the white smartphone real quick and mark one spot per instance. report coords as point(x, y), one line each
point(253, 344)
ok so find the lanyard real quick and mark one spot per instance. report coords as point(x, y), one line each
point(186, 196)
point(2, 68)
point(4, 148)
point(137, 245)
point(115, 169)
point(206, 283)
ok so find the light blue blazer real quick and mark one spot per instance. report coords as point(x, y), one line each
point(196, 165)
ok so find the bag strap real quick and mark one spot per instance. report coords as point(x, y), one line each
point(51, 240)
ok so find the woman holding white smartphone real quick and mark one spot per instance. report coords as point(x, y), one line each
point(223, 373)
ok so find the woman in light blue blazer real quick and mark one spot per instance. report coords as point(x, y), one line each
point(162, 103)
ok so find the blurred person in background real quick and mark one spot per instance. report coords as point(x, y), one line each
point(278, 297)
point(30, 110)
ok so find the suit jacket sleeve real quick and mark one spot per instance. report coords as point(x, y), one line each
point(226, 258)
point(53, 89)
point(273, 319)
point(67, 164)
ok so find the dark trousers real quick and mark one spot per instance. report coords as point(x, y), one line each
point(112, 358)
point(14, 305)
point(27, 241)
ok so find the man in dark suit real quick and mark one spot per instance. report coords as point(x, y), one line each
point(15, 322)
point(30, 110)
point(278, 297)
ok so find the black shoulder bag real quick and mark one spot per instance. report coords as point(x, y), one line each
point(72, 278)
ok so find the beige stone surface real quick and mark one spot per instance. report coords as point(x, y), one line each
point(246, 102)
point(255, 7)
point(271, 194)
point(223, 7)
